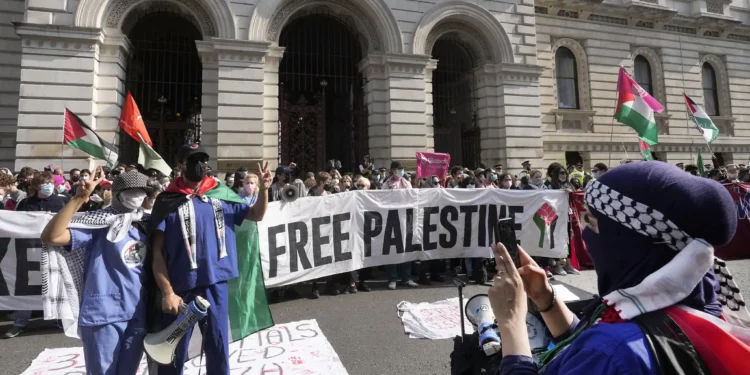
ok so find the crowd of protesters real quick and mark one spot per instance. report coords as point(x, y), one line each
point(50, 189)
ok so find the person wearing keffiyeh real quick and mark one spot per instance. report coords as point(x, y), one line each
point(107, 248)
point(668, 306)
point(195, 253)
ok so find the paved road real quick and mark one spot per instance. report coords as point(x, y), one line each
point(363, 328)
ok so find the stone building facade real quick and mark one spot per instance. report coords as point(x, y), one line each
point(308, 81)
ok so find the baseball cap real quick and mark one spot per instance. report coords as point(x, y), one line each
point(186, 151)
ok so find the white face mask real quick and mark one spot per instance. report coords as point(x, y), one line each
point(96, 198)
point(400, 172)
point(732, 176)
point(132, 199)
point(84, 178)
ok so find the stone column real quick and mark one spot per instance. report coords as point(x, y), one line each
point(110, 88)
point(509, 114)
point(59, 66)
point(396, 103)
point(271, 106)
point(239, 101)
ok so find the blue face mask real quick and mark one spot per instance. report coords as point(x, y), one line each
point(60, 189)
point(47, 189)
point(494, 177)
point(400, 172)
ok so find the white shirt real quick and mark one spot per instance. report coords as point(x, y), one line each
point(401, 183)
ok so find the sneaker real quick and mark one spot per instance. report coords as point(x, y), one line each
point(558, 269)
point(569, 268)
point(411, 284)
point(392, 285)
point(14, 331)
point(351, 289)
point(549, 274)
point(363, 287)
point(315, 294)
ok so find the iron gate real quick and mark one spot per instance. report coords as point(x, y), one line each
point(165, 77)
point(454, 103)
point(320, 66)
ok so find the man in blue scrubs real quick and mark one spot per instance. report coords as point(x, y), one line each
point(194, 252)
point(112, 319)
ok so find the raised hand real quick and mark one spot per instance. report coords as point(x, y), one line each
point(265, 176)
point(87, 187)
point(535, 281)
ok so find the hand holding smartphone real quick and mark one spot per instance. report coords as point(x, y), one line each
point(505, 233)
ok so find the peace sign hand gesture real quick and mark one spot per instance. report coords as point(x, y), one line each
point(265, 176)
point(87, 187)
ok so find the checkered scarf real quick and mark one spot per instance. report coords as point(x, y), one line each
point(674, 281)
point(186, 212)
point(62, 269)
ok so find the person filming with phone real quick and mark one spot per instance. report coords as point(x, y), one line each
point(662, 309)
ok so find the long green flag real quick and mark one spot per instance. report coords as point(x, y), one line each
point(248, 305)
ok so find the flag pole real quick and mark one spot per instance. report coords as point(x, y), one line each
point(612, 124)
point(62, 145)
point(626, 151)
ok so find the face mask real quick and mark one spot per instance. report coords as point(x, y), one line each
point(250, 188)
point(195, 170)
point(536, 181)
point(74, 178)
point(47, 189)
point(96, 198)
point(60, 189)
point(732, 176)
point(400, 172)
point(597, 174)
point(494, 177)
point(84, 178)
point(131, 199)
point(470, 186)
point(506, 184)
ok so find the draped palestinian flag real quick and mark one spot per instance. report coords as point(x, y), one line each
point(708, 130)
point(645, 150)
point(635, 108)
point(78, 134)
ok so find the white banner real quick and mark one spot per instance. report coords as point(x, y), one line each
point(434, 321)
point(315, 237)
point(290, 348)
point(20, 257)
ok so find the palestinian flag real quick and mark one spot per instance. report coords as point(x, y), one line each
point(635, 108)
point(701, 169)
point(545, 219)
point(708, 130)
point(645, 150)
point(79, 135)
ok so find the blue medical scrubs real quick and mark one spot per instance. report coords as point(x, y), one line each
point(208, 280)
point(112, 320)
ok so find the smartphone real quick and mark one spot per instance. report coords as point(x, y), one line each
point(505, 233)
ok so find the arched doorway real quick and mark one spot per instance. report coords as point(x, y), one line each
point(455, 102)
point(164, 75)
point(321, 101)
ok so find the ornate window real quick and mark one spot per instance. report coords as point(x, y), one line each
point(567, 79)
point(710, 90)
point(642, 70)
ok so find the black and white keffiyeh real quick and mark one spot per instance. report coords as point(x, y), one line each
point(62, 270)
point(186, 212)
point(674, 281)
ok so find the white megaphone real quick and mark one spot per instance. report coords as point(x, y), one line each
point(480, 314)
point(160, 346)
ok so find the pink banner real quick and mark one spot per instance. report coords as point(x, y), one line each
point(432, 164)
